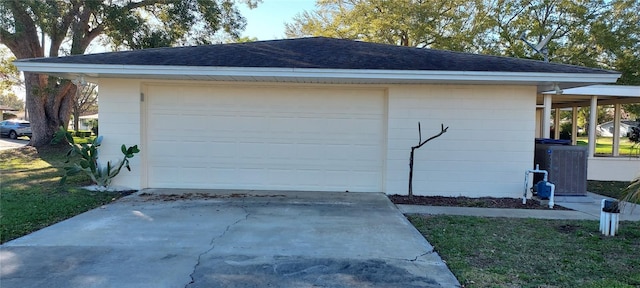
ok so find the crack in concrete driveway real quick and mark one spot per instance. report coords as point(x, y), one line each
point(195, 267)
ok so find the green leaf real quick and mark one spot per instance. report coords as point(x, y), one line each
point(129, 153)
point(73, 170)
point(69, 137)
point(84, 164)
point(61, 134)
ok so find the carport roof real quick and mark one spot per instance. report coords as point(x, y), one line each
point(7, 108)
point(319, 60)
point(581, 96)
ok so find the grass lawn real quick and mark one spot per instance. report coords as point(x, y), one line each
point(501, 252)
point(83, 140)
point(612, 189)
point(30, 196)
point(604, 145)
point(482, 252)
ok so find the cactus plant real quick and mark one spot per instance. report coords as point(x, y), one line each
point(88, 164)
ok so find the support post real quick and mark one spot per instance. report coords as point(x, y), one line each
point(546, 116)
point(556, 124)
point(593, 118)
point(616, 130)
point(574, 125)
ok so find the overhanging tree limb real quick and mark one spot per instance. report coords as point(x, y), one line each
point(413, 149)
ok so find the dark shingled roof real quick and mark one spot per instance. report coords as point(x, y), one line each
point(319, 52)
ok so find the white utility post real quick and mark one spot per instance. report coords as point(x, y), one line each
point(546, 116)
point(593, 118)
point(574, 125)
point(556, 124)
point(616, 129)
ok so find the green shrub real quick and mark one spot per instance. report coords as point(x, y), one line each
point(8, 116)
point(94, 126)
point(82, 134)
point(565, 131)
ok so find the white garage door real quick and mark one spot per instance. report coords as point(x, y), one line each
point(264, 138)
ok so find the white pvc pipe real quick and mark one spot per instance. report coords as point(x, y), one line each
point(609, 222)
point(553, 189)
point(537, 170)
point(526, 187)
point(526, 182)
point(602, 216)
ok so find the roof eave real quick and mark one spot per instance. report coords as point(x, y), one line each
point(543, 80)
point(603, 90)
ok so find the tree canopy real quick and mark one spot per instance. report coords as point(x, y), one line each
point(400, 22)
point(593, 33)
point(9, 78)
point(71, 26)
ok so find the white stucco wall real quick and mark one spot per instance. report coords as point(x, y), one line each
point(120, 123)
point(485, 152)
point(613, 168)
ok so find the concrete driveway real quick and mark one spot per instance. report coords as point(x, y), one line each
point(6, 143)
point(192, 238)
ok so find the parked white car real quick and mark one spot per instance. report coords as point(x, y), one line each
point(606, 129)
point(15, 128)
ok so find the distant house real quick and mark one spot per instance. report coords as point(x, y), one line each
point(85, 123)
point(606, 129)
point(6, 109)
point(320, 114)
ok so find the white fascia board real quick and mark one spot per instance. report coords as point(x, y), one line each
point(603, 90)
point(102, 70)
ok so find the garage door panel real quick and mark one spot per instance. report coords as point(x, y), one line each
point(261, 138)
point(163, 175)
point(222, 124)
point(163, 122)
point(193, 122)
point(198, 149)
point(160, 147)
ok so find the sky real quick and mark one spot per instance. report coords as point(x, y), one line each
point(267, 21)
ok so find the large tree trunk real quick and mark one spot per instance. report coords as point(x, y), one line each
point(76, 119)
point(49, 106)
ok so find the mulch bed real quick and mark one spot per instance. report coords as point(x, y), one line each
point(483, 202)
